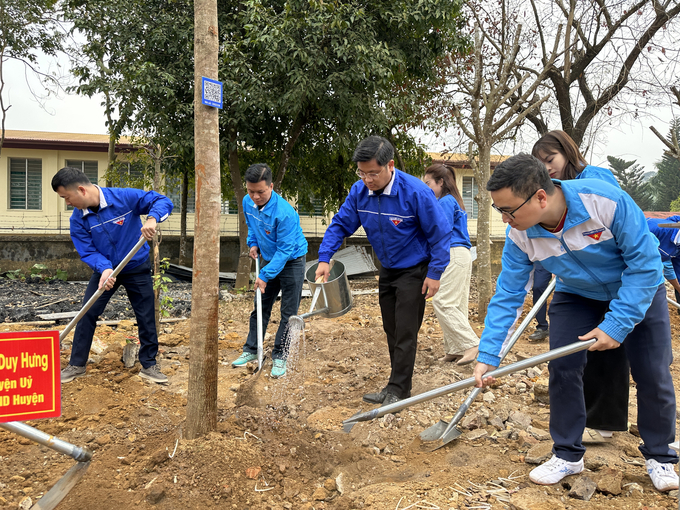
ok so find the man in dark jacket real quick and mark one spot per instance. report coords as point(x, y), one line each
point(105, 226)
point(410, 235)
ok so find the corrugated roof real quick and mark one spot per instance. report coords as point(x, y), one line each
point(11, 134)
point(659, 215)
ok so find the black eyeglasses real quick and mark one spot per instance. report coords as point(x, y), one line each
point(512, 213)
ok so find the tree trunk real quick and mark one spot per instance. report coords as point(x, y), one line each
point(202, 395)
point(482, 170)
point(156, 243)
point(184, 200)
point(244, 261)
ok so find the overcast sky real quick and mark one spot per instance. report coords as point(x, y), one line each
point(78, 114)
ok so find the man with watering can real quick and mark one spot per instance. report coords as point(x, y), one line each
point(274, 232)
point(610, 287)
point(410, 234)
point(105, 226)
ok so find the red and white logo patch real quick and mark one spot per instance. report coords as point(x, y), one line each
point(594, 234)
point(396, 221)
point(119, 221)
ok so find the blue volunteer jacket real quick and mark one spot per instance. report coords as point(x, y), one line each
point(669, 243)
point(104, 238)
point(276, 231)
point(605, 252)
point(458, 219)
point(404, 224)
point(596, 172)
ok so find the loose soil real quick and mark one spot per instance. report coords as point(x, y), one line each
point(279, 443)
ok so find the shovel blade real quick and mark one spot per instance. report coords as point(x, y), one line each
point(452, 434)
point(347, 427)
point(434, 433)
point(62, 487)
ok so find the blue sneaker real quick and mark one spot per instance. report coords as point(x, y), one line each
point(244, 358)
point(279, 368)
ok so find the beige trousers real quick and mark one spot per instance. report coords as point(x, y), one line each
point(451, 303)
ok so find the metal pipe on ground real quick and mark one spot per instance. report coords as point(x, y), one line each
point(466, 383)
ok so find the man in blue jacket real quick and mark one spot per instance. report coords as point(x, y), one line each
point(105, 226)
point(595, 239)
point(274, 232)
point(410, 235)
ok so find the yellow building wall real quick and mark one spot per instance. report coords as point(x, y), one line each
point(53, 218)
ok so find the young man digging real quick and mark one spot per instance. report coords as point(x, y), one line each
point(595, 239)
point(105, 226)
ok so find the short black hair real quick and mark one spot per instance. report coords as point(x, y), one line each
point(69, 176)
point(523, 174)
point(259, 172)
point(374, 147)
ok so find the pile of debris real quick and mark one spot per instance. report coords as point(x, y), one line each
point(37, 300)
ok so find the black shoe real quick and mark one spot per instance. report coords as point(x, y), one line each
point(539, 334)
point(378, 398)
point(375, 398)
point(390, 398)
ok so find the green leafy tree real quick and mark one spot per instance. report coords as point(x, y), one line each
point(631, 179)
point(27, 27)
point(666, 183)
point(306, 81)
point(323, 73)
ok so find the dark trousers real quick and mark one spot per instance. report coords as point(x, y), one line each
point(648, 348)
point(139, 288)
point(289, 282)
point(402, 305)
point(606, 375)
point(541, 281)
point(606, 379)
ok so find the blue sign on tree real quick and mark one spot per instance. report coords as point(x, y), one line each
point(212, 92)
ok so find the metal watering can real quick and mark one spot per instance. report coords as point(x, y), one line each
point(330, 299)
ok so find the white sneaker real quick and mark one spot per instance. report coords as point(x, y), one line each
point(663, 476)
point(554, 470)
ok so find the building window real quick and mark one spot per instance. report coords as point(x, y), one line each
point(25, 183)
point(230, 206)
point(316, 208)
point(469, 193)
point(173, 185)
point(89, 168)
point(132, 175)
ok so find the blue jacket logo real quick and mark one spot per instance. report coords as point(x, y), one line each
point(396, 221)
point(594, 234)
point(119, 221)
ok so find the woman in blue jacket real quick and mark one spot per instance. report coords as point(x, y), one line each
point(451, 302)
point(606, 376)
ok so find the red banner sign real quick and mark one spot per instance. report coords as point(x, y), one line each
point(30, 384)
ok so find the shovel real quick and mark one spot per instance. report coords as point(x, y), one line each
point(443, 432)
point(466, 383)
point(83, 455)
point(258, 305)
point(101, 291)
